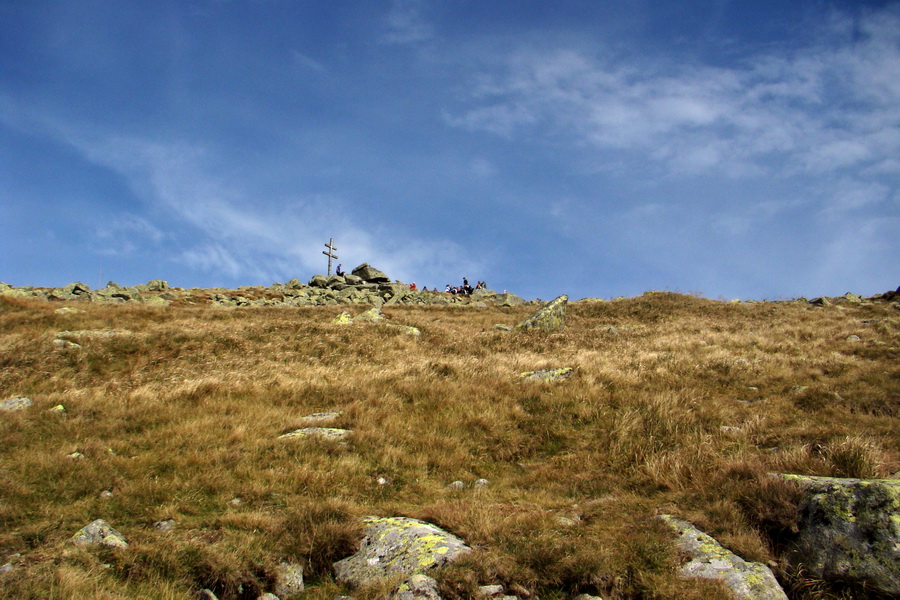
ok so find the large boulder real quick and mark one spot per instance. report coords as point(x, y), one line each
point(370, 274)
point(550, 317)
point(709, 560)
point(395, 546)
point(849, 530)
point(318, 281)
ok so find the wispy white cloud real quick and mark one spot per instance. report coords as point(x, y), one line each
point(406, 24)
point(307, 62)
point(827, 106)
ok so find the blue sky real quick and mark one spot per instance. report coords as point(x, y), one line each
point(598, 148)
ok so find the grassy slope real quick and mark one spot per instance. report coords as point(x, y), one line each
point(181, 418)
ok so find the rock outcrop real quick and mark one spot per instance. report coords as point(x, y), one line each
point(850, 530)
point(16, 403)
point(550, 317)
point(709, 560)
point(398, 546)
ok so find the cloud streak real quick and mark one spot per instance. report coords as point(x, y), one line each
point(825, 107)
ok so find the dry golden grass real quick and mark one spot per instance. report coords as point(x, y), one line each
point(678, 404)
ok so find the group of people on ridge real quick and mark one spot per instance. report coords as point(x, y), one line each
point(465, 288)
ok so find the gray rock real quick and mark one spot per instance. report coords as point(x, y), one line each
point(370, 274)
point(489, 590)
point(398, 545)
point(457, 485)
point(549, 375)
point(328, 433)
point(165, 525)
point(16, 403)
point(99, 533)
point(417, 587)
point(318, 281)
point(268, 596)
point(481, 483)
point(709, 560)
point(586, 597)
point(850, 530)
point(550, 317)
point(289, 580)
point(206, 594)
point(373, 315)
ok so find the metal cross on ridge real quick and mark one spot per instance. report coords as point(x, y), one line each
point(330, 253)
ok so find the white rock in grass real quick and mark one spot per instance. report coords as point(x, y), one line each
point(99, 533)
point(709, 560)
point(456, 485)
point(328, 433)
point(490, 590)
point(16, 403)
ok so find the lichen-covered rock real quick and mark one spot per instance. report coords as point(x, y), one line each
point(549, 375)
point(99, 533)
point(342, 319)
point(328, 433)
point(709, 560)
point(398, 545)
point(318, 281)
point(16, 403)
point(850, 530)
point(417, 587)
point(409, 330)
point(289, 581)
point(550, 317)
point(370, 274)
point(373, 315)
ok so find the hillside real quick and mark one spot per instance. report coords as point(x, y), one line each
point(163, 419)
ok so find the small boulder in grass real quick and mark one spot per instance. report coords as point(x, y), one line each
point(99, 533)
point(15, 403)
point(326, 433)
point(549, 375)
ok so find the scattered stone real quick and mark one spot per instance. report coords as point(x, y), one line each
point(206, 594)
point(322, 417)
point(409, 330)
point(417, 587)
point(820, 301)
point(709, 560)
point(456, 485)
point(729, 429)
point(852, 338)
point(398, 545)
point(106, 494)
point(549, 375)
point(268, 596)
point(550, 317)
point(60, 344)
point(850, 530)
point(481, 483)
point(91, 334)
point(16, 403)
point(289, 580)
point(383, 481)
point(328, 433)
point(486, 591)
point(59, 408)
point(165, 525)
point(342, 319)
point(503, 327)
point(7, 568)
point(75, 455)
point(99, 533)
point(373, 315)
point(588, 596)
point(235, 502)
point(67, 310)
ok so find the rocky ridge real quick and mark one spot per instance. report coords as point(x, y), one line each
point(366, 285)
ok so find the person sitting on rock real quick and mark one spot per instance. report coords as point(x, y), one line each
point(412, 286)
point(339, 271)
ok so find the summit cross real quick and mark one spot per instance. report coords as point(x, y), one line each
point(330, 253)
